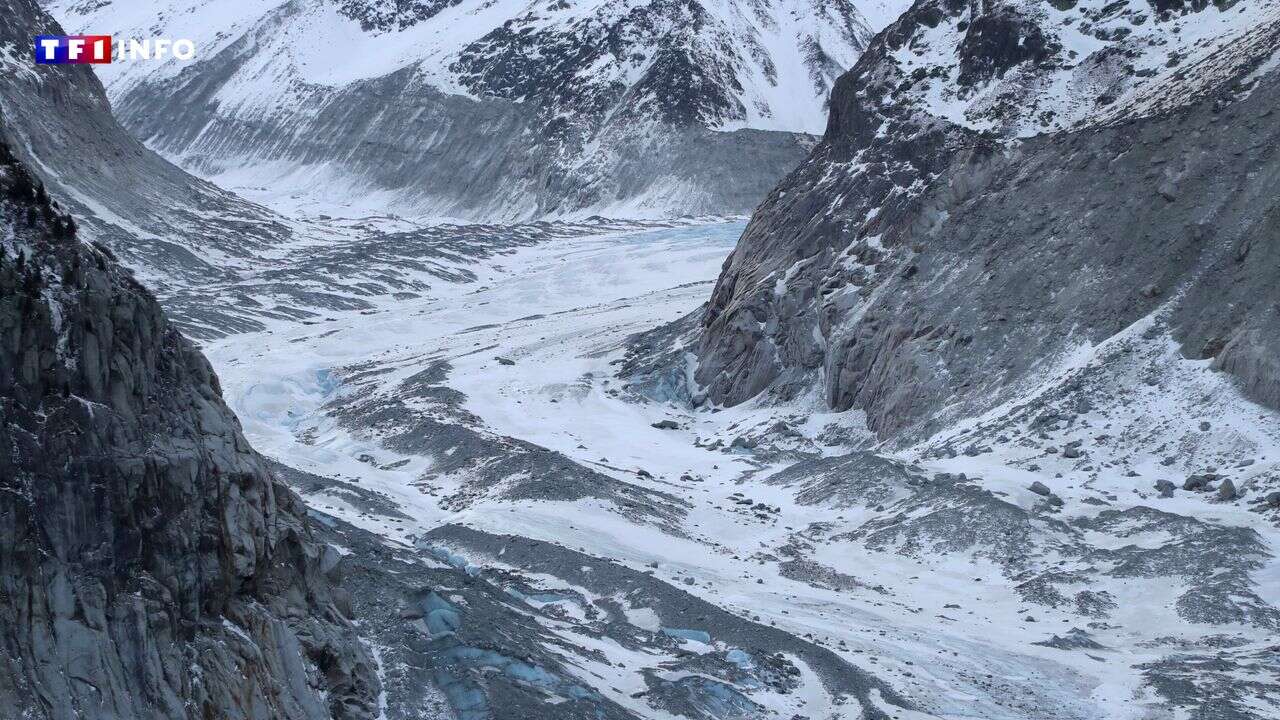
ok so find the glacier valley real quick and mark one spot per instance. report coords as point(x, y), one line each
point(642, 360)
point(998, 582)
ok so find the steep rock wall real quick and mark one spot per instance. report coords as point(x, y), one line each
point(150, 565)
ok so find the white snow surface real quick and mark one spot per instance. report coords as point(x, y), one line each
point(1108, 61)
point(946, 629)
point(782, 86)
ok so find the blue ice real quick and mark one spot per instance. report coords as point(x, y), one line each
point(684, 634)
point(441, 617)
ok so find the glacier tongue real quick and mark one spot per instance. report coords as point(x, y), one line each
point(762, 558)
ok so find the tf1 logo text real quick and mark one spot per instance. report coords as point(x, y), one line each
point(101, 49)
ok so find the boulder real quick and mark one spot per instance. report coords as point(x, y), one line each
point(1198, 482)
point(1227, 490)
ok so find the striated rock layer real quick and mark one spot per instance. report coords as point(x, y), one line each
point(150, 565)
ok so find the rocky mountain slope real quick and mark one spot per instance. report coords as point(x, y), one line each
point(169, 226)
point(151, 565)
point(487, 110)
point(1002, 185)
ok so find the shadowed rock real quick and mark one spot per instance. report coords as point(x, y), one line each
point(151, 566)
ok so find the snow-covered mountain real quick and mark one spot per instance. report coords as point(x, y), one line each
point(1019, 69)
point(490, 110)
point(1000, 183)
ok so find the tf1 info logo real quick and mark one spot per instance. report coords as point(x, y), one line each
point(101, 49)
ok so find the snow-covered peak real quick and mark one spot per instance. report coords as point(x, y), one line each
point(1025, 67)
point(723, 64)
point(488, 109)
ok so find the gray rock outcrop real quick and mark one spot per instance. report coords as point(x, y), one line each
point(150, 564)
point(915, 263)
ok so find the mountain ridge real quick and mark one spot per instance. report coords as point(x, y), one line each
point(834, 279)
point(492, 110)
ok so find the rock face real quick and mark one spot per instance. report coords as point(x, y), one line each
point(931, 253)
point(171, 227)
point(491, 110)
point(150, 565)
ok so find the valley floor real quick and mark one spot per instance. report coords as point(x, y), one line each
point(492, 405)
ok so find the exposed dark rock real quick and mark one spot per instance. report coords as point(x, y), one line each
point(854, 479)
point(151, 566)
point(1075, 639)
point(396, 15)
point(996, 41)
point(1199, 482)
point(995, 236)
point(1215, 561)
